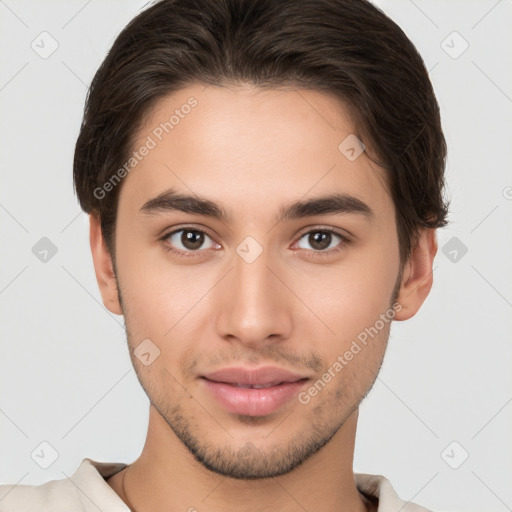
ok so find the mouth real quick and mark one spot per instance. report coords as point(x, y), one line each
point(265, 376)
point(256, 386)
point(250, 392)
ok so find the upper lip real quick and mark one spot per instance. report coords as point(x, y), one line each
point(258, 376)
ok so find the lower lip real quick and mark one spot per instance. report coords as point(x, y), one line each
point(253, 402)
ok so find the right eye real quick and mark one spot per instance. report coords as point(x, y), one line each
point(187, 240)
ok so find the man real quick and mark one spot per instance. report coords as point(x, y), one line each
point(264, 181)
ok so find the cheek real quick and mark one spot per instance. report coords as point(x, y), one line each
point(349, 298)
point(351, 369)
point(164, 302)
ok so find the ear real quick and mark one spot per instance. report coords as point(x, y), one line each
point(417, 275)
point(103, 266)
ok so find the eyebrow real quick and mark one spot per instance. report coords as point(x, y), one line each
point(330, 204)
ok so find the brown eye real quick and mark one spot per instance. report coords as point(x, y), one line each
point(322, 240)
point(192, 239)
point(188, 240)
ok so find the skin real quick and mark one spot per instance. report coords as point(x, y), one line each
point(253, 151)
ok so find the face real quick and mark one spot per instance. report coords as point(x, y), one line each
point(279, 266)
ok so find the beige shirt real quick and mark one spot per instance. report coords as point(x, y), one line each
point(87, 491)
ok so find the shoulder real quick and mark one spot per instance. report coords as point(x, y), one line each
point(57, 494)
point(378, 488)
point(84, 491)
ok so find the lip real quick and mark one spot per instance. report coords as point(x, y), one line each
point(284, 386)
point(258, 376)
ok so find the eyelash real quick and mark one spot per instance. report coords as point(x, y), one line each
point(344, 240)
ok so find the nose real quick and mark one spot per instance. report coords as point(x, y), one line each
point(254, 305)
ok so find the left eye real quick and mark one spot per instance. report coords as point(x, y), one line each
point(321, 240)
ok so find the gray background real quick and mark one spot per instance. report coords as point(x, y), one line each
point(445, 389)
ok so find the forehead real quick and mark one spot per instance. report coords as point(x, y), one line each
point(247, 147)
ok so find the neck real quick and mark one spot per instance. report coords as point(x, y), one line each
point(167, 477)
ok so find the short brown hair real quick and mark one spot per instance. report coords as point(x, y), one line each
point(348, 48)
